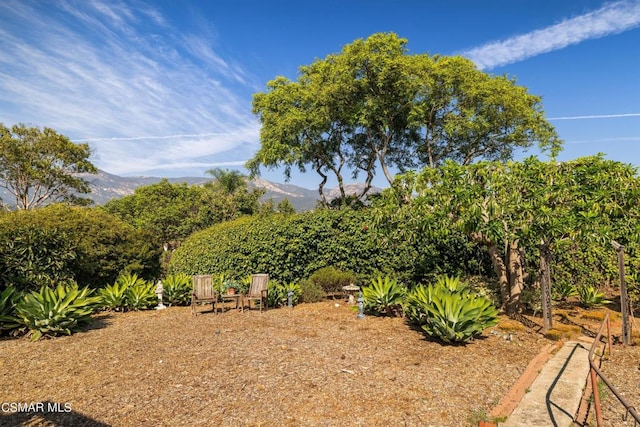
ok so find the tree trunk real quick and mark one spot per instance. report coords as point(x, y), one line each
point(501, 272)
point(516, 277)
point(545, 287)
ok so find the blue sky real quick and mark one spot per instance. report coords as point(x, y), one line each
point(164, 88)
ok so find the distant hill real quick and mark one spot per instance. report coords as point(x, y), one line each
point(106, 186)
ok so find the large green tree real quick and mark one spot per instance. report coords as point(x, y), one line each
point(170, 211)
point(40, 166)
point(174, 211)
point(515, 207)
point(374, 106)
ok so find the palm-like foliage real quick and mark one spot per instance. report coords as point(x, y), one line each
point(141, 296)
point(278, 294)
point(383, 296)
point(177, 289)
point(8, 300)
point(590, 297)
point(563, 290)
point(114, 296)
point(56, 311)
point(449, 311)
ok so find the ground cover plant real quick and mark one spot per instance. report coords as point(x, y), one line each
point(177, 289)
point(51, 312)
point(449, 311)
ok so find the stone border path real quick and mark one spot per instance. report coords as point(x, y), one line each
point(550, 390)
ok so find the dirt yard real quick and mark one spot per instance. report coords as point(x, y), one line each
point(314, 365)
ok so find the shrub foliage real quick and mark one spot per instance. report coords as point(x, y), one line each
point(450, 312)
point(51, 312)
point(59, 243)
point(293, 247)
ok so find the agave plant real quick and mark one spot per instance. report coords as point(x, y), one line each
point(383, 296)
point(8, 300)
point(449, 311)
point(590, 297)
point(278, 294)
point(457, 317)
point(141, 296)
point(52, 312)
point(114, 296)
point(563, 290)
point(451, 283)
point(177, 289)
point(416, 300)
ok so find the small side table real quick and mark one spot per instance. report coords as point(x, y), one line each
point(231, 297)
point(351, 291)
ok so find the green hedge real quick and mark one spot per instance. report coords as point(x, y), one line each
point(101, 247)
point(292, 247)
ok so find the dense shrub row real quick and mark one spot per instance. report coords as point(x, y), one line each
point(60, 244)
point(292, 247)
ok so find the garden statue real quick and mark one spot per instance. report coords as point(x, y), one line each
point(360, 306)
point(159, 292)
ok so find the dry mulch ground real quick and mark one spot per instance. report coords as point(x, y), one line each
point(314, 365)
point(622, 369)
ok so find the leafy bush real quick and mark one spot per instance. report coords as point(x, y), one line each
point(139, 294)
point(562, 290)
point(290, 247)
point(384, 296)
point(591, 297)
point(310, 291)
point(330, 279)
point(32, 256)
point(114, 296)
point(177, 289)
point(448, 314)
point(8, 300)
point(52, 312)
point(129, 292)
point(278, 294)
point(103, 246)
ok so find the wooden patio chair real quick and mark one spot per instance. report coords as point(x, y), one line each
point(257, 291)
point(203, 292)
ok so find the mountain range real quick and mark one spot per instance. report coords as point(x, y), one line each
point(106, 186)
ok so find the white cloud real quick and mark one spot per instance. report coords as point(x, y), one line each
point(597, 116)
point(114, 74)
point(612, 18)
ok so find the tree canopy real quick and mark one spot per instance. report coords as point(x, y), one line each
point(40, 167)
point(174, 211)
point(374, 105)
point(523, 212)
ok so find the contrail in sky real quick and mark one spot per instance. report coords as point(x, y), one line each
point(612, 18)
point(138, 138)
point(599, 116)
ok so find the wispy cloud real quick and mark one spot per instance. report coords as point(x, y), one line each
point(114, 74)
point(601, 140)
point(612, 18)
point(599, 116)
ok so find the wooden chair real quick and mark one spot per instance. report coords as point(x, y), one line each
point(257, 291)
point(203, 292)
